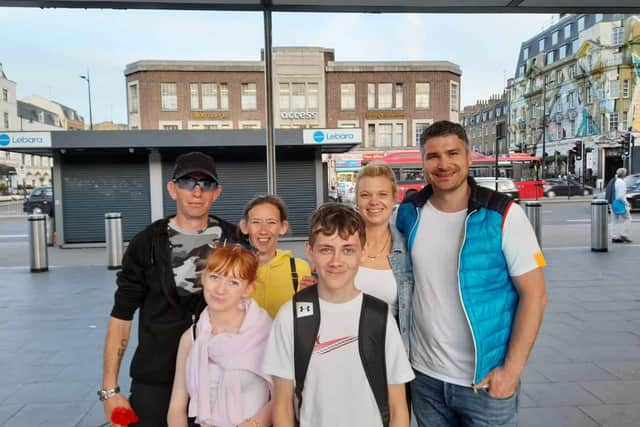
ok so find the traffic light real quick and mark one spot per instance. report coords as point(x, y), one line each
point(577, 148)
point(625, 142)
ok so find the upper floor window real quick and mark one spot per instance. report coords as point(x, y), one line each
point(299, 96)
point(454, 96)
point(248, 96)
point(525, 53)
point(423, 96)
point(625, 88)
point(541, 45)
point(617, 35)
point(384, 95)
point(614, 88)
point(399, 99)
point(371, 96)
point(567, 31)
point(549, 57)
point(599, 17)
point(169, 96)
point(575, 45)
point(581, 23)
point(347, 96)
point(5, 94)
point(554, 38)
point(562, 52)
point(134, 104)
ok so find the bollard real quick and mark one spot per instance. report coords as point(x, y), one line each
point(599, 226)
point(113, 237)
point(38, 256)
point(533, 210)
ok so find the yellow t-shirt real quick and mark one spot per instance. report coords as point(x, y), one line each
point(274, 284)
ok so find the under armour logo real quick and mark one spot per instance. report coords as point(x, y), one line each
point(304, 309)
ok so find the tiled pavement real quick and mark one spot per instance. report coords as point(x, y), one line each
point(584, 370)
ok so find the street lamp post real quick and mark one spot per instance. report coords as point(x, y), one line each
point(545, 82)
point(88, 80)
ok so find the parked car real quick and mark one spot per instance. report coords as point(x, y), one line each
point(39, 201)
point(553, 187)
point(505, 185)
point(633, 192)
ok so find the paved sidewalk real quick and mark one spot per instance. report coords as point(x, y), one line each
point(584, 370)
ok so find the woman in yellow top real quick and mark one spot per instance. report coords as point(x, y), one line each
point(280, 275)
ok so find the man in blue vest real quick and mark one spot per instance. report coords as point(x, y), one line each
point(479, 293)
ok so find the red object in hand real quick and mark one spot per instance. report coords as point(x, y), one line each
point(123, 416)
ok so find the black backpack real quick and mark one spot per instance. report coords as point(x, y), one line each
point(371, 343)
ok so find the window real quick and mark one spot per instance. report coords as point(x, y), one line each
point(170, 127)
point(550, 58)
point(223, 91)
point(385, 135)
point(398, 134)
point(559, 76)
point(575, 45)
point(625, 119)
point(484, 116)
point(581, 23)
point(541, 45)
point(498, 112)
point(614, 88)
point(491, 115)
point(5, 94)
point(525, 53)
point(312, 96)
point(453, 96)
point(598, 17)
point(384, 95)
point(134, 105)
point(567, 31)
point(209, 96)
point(625, 88)
point(399, 96)
point(371, 96)
point(248, 96)
point(554, 38)
point(613, 121)
point(195, 96)
point(423, 96)
point(571, 99)
point(297, 96)
point(284, 96)
point(572, 128)
point(589, 95)
point(617, 35)
point(347, 96)
point(562, 52)
point(169, 96)
point(6, 120)
point(572, 71)
point(521, 71)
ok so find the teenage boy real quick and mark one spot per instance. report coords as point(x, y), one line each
point(335, 354)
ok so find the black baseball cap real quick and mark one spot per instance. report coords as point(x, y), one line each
point(195, 162)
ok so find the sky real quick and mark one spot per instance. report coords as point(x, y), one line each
point(46, 50)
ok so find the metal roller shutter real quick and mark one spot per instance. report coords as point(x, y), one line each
point(92, 187)
point(296, 186)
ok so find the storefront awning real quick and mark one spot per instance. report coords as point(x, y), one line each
point(6, 170)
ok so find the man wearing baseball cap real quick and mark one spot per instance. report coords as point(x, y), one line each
point(160, 276)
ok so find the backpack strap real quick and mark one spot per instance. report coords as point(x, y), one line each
point(372, 334)
point(294, 273)
point(306, 324)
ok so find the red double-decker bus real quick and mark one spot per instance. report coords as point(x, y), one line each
point(521, 167)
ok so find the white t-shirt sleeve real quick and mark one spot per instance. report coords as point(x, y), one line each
point(278, 357)
point(399, 369)
point(519, 243)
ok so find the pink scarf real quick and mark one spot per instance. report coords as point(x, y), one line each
point(242, 351)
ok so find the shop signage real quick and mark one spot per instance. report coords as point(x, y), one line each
point(10, 140)
point(217, 115)
point(384, 115)
point(299, 115)
point(332, 136)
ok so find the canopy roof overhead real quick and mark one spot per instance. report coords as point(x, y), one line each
point(404, 6)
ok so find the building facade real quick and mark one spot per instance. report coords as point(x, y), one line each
point(577, 82)
point(392, 102)
point(69, 119)
point(486, 123)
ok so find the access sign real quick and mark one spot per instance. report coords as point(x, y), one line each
point(9, 140)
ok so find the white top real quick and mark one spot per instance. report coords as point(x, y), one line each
point(379, 283)
point(441, 341)
point(336, 391)
point(621, 189)
point(255, 391)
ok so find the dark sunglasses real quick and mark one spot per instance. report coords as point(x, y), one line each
point(189, 183)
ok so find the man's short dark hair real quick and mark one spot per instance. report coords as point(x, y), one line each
point(443, 128)
point(332, 218)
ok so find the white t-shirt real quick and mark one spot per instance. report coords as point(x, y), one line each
point(336, 391)
point(379, 283)
point(441, 341)
point(621, 189)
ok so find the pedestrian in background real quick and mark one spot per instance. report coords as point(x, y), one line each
point(620, 210)
point(160, 276)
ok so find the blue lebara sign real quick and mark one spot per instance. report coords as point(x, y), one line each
point(25, 140)
point(332, 136)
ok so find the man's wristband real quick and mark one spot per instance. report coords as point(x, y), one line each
point(106, 394)
point(253, 422)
